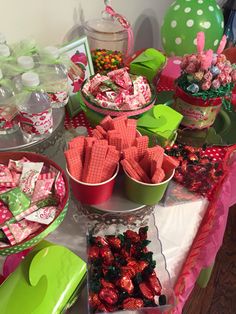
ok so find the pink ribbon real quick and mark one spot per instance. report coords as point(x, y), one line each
point(126, 25)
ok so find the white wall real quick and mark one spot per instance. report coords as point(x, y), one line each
point(48, 21)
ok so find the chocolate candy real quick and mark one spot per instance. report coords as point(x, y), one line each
point(108, 295)
point(106, 284)
point(122, 273)
point(106, 255)
point(132, 235)
point(114, 242)
point(132, 304)
point(93, 252)
point(146, 291)
point(154, 284)
point(126, 284)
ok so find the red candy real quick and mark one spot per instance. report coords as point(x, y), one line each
point(146, 291)
point(128, 271)
point(132, 304)
point(126, 284)
point(132, 235)
point(106, 255)
point(119, 279)
point(94, 300)
point(101, 241)
point(154, 284)
point(107, 284)
point(93, 252)
point(114, 242)
point(108, 295)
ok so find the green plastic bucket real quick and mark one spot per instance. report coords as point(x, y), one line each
point(146, 193)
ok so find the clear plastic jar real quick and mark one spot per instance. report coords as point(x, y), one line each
point(106, 37)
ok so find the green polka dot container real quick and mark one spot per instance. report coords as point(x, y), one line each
point(62, 209)
point(184, 19)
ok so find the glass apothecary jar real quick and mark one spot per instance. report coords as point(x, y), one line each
point(108, 41)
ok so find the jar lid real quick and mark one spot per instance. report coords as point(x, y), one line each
point(4, 50)
point(104, 25)
point(30, 79)
point(25, 62)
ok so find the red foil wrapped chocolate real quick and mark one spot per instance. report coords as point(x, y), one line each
point(121, 274)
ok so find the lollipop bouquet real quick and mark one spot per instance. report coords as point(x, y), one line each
point(205, 83)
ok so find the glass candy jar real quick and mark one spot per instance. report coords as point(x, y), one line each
point(108, 41)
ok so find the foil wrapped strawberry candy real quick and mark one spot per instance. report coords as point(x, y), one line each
point(121, 273)
point(200, 169)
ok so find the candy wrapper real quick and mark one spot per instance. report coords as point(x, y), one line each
point(5, 175)
point(27, 189)
point(16, 200)
point(44, 215)
point(119, 90)
point(17, 165)
point(30, 173)
point(60, 189)
point(5, 214)
point(17, 232)
point(42, 189)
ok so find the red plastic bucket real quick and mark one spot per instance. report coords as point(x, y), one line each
point(92, 193)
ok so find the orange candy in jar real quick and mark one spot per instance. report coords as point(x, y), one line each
point(110, 39)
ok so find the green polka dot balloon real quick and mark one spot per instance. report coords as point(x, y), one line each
point(184, 19)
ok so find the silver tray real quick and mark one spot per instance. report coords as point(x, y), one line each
point(15, 141)
point(117, 208)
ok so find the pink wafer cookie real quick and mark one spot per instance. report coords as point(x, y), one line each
point(106, 123)
point(131, 125)
point(110, 164)
point(87, 157)
point(77, 141)
point(142, 174)
point(119, 124)
point(102, 142)
point(101, 130)
point(116, 141)
point(130, 170)
point(169, 163)
point(74, 163)
point(142, 144)
point(98, 154)
point(97, 134)
point(131, 153)
point(158, 175)
point(145, 163)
